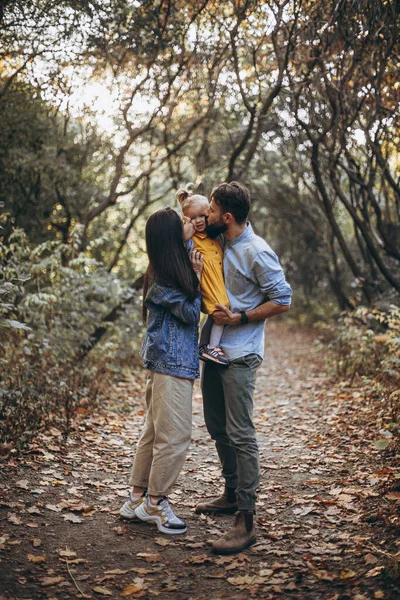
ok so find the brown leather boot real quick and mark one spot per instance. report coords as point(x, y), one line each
point(220, 505)
point(241, 536)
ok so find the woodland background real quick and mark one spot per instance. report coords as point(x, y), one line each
point(106, 108)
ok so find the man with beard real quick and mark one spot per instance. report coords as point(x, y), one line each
point(257, 290)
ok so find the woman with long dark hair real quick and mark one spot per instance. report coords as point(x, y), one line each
point(171, 310)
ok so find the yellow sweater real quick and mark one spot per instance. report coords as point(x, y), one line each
point(212, 280)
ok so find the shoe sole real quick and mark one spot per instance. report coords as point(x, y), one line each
point(143, 516)
point(207, 359)
point(216, 511)
point(128, 513)
point(228, 551)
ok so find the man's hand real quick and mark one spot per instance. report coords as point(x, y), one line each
point(224, 316)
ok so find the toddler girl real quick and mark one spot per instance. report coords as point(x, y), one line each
point(195, 207)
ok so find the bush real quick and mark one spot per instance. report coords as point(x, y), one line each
point(368, 344)
point(367, 349)
point(51, 304)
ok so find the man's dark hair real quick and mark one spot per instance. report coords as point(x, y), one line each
point(233, 198)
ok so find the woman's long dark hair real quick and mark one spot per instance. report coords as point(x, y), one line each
point(169, 261)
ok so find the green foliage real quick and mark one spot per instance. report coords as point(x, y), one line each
point(47, 164)
point(51, 305)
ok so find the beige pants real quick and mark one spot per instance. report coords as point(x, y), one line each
point(166, 436)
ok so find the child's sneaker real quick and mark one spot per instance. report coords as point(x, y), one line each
point(213, 355)
point(128, 510)
point(162, 515)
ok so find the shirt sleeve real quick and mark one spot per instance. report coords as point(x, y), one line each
point(270, 278)
point(177, 303)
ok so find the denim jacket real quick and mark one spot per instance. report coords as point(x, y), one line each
point(170, 343)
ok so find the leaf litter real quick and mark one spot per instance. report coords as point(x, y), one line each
point(326, 511)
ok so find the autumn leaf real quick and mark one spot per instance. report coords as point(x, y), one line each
point(161, 541)
point(35, 558)
point(53, 507)
point(116, 572)
point(347, 574)
point(264, 572)
point(47, 581)
point(370, 559)
point(72, 518)
point(34, 510)
point(23, 484)
point(67, 553)
point(148, 557)
point(375, 572)
point(324, 575)
point(133, 588)
point(393, 496)
point(196, 545)
point(3, 540)
point(199, 559)
point(102, 591)
point(14, 519)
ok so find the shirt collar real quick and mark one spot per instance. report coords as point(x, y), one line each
point(200, 235)
point(245, 234)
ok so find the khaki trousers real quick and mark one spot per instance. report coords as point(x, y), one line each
point(166, 436)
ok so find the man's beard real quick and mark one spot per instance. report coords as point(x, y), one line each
point(214, 231)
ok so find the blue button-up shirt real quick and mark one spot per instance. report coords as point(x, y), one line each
point(253, 275)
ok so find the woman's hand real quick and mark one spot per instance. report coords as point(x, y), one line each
point(197, 261)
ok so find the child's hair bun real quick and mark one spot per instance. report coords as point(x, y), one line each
point(183, 194)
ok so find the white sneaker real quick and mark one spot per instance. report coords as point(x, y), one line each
point(128, 510)
point(162, 515)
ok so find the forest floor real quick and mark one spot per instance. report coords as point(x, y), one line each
point(326, 515)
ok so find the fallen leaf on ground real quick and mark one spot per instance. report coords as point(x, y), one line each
point(36, 558)
point(375, 572)
point(196, 545)
point(162, 541)
point(47, 581)
point(199, 559)
point(148, 557)
point(14, 519)
point(23, 484)
point(102, 591)
point(370, 559)
point(53, 507)
point(347, 574)
point(133, 588)
point(67, 553)
point(116, 572)
point(73, 518)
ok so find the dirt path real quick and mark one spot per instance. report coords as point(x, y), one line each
point(320, 530)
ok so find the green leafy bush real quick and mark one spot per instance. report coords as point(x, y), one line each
point(51, 305)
